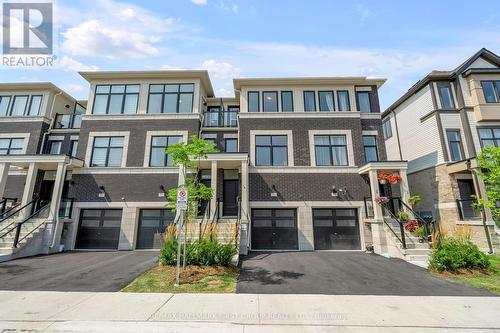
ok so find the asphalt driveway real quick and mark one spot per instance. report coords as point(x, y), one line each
point(341, 273)
point(76, 271)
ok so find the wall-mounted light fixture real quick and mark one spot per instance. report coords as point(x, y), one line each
point(163, 191)
point(102, 194)
point(274, 192)
point(334, 193)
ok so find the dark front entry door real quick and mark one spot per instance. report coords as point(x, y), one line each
point(336, 229)
point(274, 229)
point(152, 225)
point(230, 197)
point(99, 229)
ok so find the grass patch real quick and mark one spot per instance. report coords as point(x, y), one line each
point(194, 279)
point(489, 280)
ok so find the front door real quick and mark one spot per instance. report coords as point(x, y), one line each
point(336, 229)
point(230, 197)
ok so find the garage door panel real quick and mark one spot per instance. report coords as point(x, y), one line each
point(274, 229)
point(336, 229)
point(152, 225)
point(99, 229)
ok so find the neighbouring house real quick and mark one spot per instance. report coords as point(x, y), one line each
point(439, 126)
point(297, 167)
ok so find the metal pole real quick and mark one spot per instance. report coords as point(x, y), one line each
point(184, 241)
point(179, 229)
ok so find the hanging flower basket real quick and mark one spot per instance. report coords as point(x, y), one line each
point(391, 178)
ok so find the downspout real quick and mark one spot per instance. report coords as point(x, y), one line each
point(44, 138)
point(397, 135)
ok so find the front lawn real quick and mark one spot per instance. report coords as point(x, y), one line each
point(194, 279)
point(479, 279)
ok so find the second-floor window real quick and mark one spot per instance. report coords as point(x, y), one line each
point(74, 147)
point(271, 150)
point(326, 102)
point(231, 145)
point(171, 98)
point(446, 97)
point(490, 137)
point(55, 147)
point(370, 146)
point(159, 144)
point(309, 101)
point(107, 151)
point(11, 146)
point(330, 150)
point(364, 101)
point(20, 105)
point(116, 99)
point(287, 101)
point(491, 91)
point(455, 145)
point(387, 128)
point(343, 100)
point(270, 101)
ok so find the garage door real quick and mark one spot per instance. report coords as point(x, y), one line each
point(99, 229)
point(274, 229)
point(152, 225)
point(336, 229)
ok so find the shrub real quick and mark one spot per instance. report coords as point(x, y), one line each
point(168, 254)
point(453, 254)
point(403, 215)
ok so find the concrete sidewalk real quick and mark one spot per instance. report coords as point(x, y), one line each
point(123, 312)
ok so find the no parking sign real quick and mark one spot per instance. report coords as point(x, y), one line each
point(182, 198)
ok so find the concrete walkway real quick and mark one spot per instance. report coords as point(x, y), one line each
point(123, 312)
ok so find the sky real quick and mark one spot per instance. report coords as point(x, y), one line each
point(401, 41)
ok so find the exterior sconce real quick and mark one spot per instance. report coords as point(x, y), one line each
point(334, 193)
point(103, 192)
point(274, 192)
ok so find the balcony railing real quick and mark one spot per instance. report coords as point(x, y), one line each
point(467, 211)
point(221, 119)
point(67, 121)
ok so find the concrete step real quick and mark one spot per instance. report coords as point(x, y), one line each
point(6, 250)
point(417, 251)
point(417, 257)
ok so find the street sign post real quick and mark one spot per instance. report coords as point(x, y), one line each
point(182, 196)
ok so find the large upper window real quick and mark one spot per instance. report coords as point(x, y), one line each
point(11, 146)
point(271, 150)
point(330, 150)
point(287, 101)
point(364, 101)
point(4, 105)
point(253, 101)
point(107, 151)
point(326, 102)
point(171, 98)
point(116, 99)
point(21, 105)
point(309, 101)
point(446, 97)
point(159, 144)
point(370, 146)
point(455, 145)
point(387, 128)
point(490, 136)
point(343, 100)
point(491, 91)
point(270, 101)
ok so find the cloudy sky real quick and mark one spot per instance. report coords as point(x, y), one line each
point(397, 40)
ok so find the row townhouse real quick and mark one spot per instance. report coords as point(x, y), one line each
point(452, 115)
point(297, 167)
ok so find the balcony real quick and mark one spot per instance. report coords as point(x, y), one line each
point(467, 211)
point(221, 118)
point(67, 121)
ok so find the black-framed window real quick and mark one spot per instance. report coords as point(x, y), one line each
point(491, 91)
point(11, 146)
point(107, 151)
point(231, 145)
point(171, 98)
point(74, 147)
point(343, 101)
point(446, 97)
point(271, 150)
point(55, 147)
point(364, 101)
point(270, 101)
point(370, 146)
point(159, 144)
point(455, 145)
point(35, 104)
point(489, 136)
point(253, 101)
point(330, 150)
point(326, 101)
point(387, 128)
point(116, 99)
point(19, 104)
point(287, 101)
point(4, 105)
point(309, 101)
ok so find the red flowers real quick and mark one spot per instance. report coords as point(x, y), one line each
point(411, 225)
point(391, 178)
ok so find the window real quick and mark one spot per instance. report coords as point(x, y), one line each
point(231, 145)
point(36, 102)
point(55, 147)
point(489, 137)
point(491, 91)
point(171, 98)
point(287, 101)
point(326, 102)
point(455, 145)
point(446, 97)
point(4, 105)
point(343, 100)
point(74, 147)
point(270, 100)
point(370, 145)
point(364, 101)
point(271, 150)
point(387, 128)
point(253, 101)
point(19, 105)
point(107, 151)
point(330, 150)
point(309, 101)
point(116, 99)
point(11, 146)
point(159, 144)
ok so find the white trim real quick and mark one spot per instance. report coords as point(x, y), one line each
point(118, 204)
point(74, 137)
point(288, 133)
point(142, 116)
point(149, 137)
point(230, 136)
point(25, 136)
point(209, 135)
point(304, 169)
point(90, 145)
point(371, 115)
point(126, 170)
point(369, 133)
point(55, 138)
point(362, 88)
point(10, 119)
point(313, 204)
point(301, 114)
point(350, 149)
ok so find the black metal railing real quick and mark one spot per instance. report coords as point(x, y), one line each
point(467, 211)
point(66, 208)
point(5, 208)
point(39, 213)
point(15, 211)
point(402, 239)
point(67, 120)
point(221, 119)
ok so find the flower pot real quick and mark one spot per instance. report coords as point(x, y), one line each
point(420, 239)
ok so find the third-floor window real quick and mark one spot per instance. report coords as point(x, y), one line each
point(364, 101)
point(446, 97)
point(116, 99)
point(491, 91)
point(20, 105)
point(171, 98)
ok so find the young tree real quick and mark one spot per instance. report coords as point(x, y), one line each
point(489, 162)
